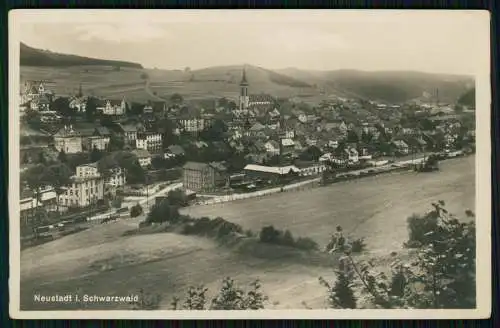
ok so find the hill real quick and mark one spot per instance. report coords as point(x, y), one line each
point(388, 86)
point(118, 79)
point(36, 57)
point(468, 98)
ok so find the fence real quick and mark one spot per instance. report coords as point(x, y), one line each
point(260, 193)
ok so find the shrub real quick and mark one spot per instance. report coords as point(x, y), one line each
point(358, 245)
point(135, 211)
point(341, 294)
point(306, 243)
point(269, 235)
point(419, 228)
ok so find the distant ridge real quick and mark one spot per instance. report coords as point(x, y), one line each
point(36, 57)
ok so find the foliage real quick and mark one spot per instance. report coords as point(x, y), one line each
point(271, 235)
point(146, 301)
point(178, 198)
point(442, 275)
point(217, 227)
point(125, 160)
point(117, 202)
point(358, 245)
point(176, 99)
point(163, 212)
point(341, 294)
point(229, 297)
point(135, 211)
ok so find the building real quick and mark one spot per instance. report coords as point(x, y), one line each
point(244, 99)
point(150, 141)
point(401, 147)
point(113, 107)
point(174, 151)
point(352, 155)
point(86, 189)
point(68, 140)
point(272, 147)
point(203, 176)
point(274, 174)
point(287, 146)
point(99, 139)
point(41, 104)
point(310, 168)
point(28, 202)
point(143, 156)
point(116, 179)
point(78, 104)
point(129, 133)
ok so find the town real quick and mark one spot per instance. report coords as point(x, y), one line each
point(83, 156)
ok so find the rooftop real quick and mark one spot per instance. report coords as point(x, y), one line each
point(272, 169)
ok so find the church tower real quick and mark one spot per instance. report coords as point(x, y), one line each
point(244, 99)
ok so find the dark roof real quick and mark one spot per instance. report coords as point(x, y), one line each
point(128, 128)
point(115, 102)
point(176, 150)
point(196, 166)
point(67, 132)
point(102, 131)
point(141, 153)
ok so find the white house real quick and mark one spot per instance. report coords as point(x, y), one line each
point(272, 147)
point(68, 140)
point(86, 189)
point(143, 156)
point(352, 155)
point(150, 141)
point(114, 107)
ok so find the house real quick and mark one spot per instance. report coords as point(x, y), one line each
point(260, 100)
point(272, 147)
point(150, 141)
point(86, 188)
point(174, 151)
point(274, 174)
point(116, 179)
point(113, 107)
point(352, 155)
point(28, 202)
point(256, 128)
point(129, 132)
point(41, 104)
point(143, 156)
point(203, 176)
point(309, 168)
point(274, 115)
point(68, 140)
point(287, 146)
point(401, 147)
point(99, 139)
point(78, 104)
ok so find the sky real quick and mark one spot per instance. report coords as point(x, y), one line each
point(448, 41)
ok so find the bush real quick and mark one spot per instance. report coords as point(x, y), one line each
point(306, 243)
point(135, 211)
point(419, 228)
point(358, 245)
point(341, 294)
point(217, 227)
point(271, 235)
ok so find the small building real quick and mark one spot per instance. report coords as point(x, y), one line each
point(203, 176)
point(352, 155)
point(287, 146)
point(143, 156)
point(273, 174)
point(401, 147)
point(272, 147)
point(129, 133)
point(68, 140)
point(174, 151)
point(309, 168)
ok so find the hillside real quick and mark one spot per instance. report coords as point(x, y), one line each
point(118, 79)
point(397, 86)
point(36, 57)
point(468, 98)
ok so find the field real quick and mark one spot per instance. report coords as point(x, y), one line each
point(375, 207)
point(100, 261)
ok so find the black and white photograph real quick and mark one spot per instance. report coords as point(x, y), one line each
point(301, 164)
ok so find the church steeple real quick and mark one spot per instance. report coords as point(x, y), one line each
point(244, 81)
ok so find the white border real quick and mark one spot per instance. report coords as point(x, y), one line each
point(483, 161)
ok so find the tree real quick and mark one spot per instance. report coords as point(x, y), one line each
point(59, 176)
point(312, 153)
point(178, 198)
point(136, 210)
point(215, 131)
point(95, 155)
point(144, 76)
point(35, 179)
point(91, 108)
point(62, 157)
point(352, 137)
point(116, 142)
point(61, 105)
point(223, 102)
point(176, 99)
point(163, 212)
point(341, 294)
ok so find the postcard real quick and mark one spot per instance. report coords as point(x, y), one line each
point(251, 164)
